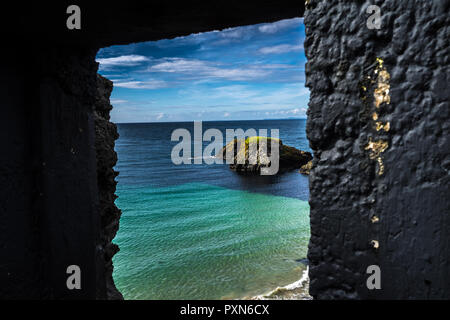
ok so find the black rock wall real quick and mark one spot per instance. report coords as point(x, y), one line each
point(19, 241)
point(105, 136)
point(378, 122)
point(49, 201)
point(57, 178)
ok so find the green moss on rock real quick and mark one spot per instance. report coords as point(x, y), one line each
point(244, 161)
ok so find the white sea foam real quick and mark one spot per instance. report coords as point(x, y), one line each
point(287, 289)
point(196, 158)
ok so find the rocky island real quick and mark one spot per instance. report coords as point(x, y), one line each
point(306, 168)
point(246, 162)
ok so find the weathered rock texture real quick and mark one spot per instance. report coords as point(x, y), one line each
point(306, 168)
point(49, 199)
point(380, 176)
point(105, 136)
point(381, 148)
point(248, 159)
point(57, 178)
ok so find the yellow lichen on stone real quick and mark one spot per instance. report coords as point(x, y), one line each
point(375, 244)
point(376, 148)
point(381, 96)
point(380, 126)
point(381, 92)
point(380, 166)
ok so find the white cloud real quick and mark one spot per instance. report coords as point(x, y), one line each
point(179, 65)
point(278, 66)
point(282, 48)
point(199, 68)
point(238, 74)
point(118, 101)
point(297, 112)
point(136, 84)
point(280, 25)
point(127, 60)
point(228, 98)
point(234, 33)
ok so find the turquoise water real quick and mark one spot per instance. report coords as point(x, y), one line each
point(203, 232)
point(200, 245)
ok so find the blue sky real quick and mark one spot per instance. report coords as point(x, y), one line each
point(250, 72)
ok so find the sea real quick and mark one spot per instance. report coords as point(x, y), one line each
point(202, 231)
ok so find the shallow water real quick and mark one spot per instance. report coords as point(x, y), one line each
point(202, 231)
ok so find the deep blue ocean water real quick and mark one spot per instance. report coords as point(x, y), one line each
point(203, 231)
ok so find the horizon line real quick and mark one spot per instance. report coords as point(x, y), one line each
point(209, 121)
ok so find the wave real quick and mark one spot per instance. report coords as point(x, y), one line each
point(203, 157)
point(297, 290)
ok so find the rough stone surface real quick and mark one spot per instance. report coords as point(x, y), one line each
point(49, 201)
point(306, 168)
point(249, 156)
point(56, 211)
point(393, 193)
point(105, 136)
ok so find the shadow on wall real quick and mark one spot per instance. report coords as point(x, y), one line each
point(50, 201)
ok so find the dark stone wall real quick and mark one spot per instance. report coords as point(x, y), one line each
point(371, 181)
point(380, 182)
point(105, 136)
point(106, 22)
point(49, 200)
point(19, 241)
point(57, 178)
